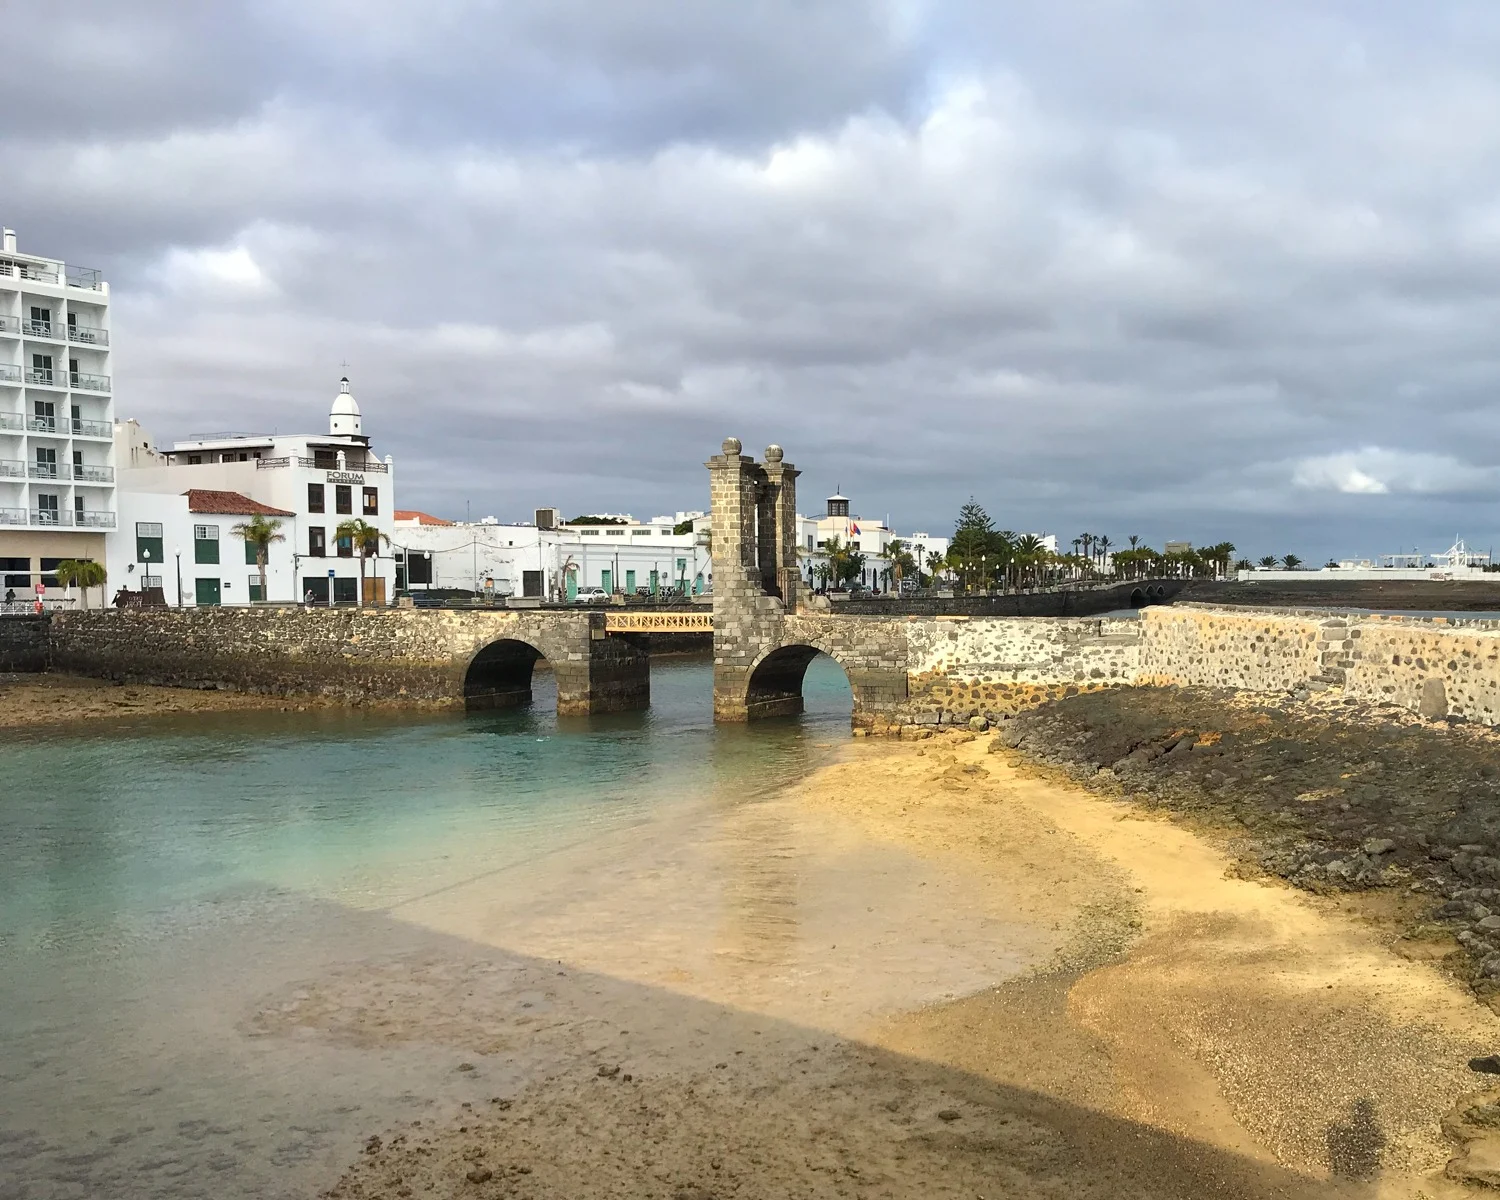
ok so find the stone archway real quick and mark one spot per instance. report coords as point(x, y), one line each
point(774, 686)
point(499, 675)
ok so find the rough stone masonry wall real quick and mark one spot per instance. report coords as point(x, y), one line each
point(964, 667)
point(23, 644)
point(1437, 668)
point(1256, 651)
point(357, 655)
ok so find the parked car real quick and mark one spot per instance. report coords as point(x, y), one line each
point(591, 595)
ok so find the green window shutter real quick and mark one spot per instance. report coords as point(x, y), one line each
point(205, 551)
point(250, 559)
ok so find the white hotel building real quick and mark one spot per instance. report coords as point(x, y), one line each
point(179, 507)
point(57, 478)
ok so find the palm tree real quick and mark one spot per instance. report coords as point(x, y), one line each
point(1134, 540)
point(82, 573)
point(1291, 562)
point(1268, 562)
point(260, 531)
point(365, 538)
point(1104, 544)
point(936, 564)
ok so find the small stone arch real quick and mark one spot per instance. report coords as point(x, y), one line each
point(499, 675)
point(1138, 598)
point(774, 685)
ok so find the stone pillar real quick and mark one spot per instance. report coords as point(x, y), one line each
point(747, 617)
point(781, 505)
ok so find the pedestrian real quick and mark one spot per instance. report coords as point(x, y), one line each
point(10, 595)
point(308, 598)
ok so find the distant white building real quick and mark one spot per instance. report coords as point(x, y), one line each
point(532, 560)
point(1457, 562)
point(870, 536)
point(315, 481)
point(57, 476)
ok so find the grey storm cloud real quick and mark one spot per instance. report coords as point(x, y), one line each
point(1156, 268)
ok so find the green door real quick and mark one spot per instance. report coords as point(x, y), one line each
point(606, 579)
point(630, 583)
point(572, 585)
point(208, 591)
point(655, 581)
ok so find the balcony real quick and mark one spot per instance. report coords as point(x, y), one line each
point(93, 519)
point(12, 516)
point(37, 329)
point(373, 467)
point(40, 377)
point(87, 278)
point(11, 269)
point(12, 421)
point(88, 335)
point(84, 473)
point(50, 471)
point(264, 464)
point(12, 468)
point(46, 425)
point(88, 383)
point(93, 429)
point(9, 373)
point(10, 325)
point(51, 518)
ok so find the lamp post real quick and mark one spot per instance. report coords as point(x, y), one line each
point(177, 553)
point(146, 558)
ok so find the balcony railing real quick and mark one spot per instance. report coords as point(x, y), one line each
point(46, 425)
point(12, 468)
point(51, 516)
point(88, 335)
point(13, 421)
point(373, 467)
point(93, 519)
point(262, 464)
point(12, 516)
point(97, 429)
point(12, 269)
point(42, 329)
point(41, 376)
point(91, 383)
point(85, 277)
point(10, 324)
point(9, 373)
point(41, 470)
point(84, 473)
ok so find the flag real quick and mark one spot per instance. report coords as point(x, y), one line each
point(853, 529)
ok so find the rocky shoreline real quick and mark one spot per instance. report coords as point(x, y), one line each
point(1331, 795)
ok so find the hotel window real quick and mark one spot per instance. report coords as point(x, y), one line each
point(589, 532)
point(195, 460)
point(343, 499)
point(614, 533)
point(314, 497)
point(49, 571)
point(205, 543)
point(372, 502)
point(317, 542)
point(22, 577)
point(148, 541)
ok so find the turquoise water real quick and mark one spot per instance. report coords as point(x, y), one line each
point(154, 875)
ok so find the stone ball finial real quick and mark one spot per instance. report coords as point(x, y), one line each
point(773, 453)
point(732, 445)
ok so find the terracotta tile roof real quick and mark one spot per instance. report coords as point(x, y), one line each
point(421, 518)
point(229, 504)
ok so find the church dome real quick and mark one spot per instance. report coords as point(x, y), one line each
point(344, 416)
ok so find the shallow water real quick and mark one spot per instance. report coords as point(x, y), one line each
point(233, 944)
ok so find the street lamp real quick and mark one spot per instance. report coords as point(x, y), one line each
point(146, 557)
point(177, 553)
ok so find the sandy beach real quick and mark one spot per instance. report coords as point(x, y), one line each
point(1162, 1027)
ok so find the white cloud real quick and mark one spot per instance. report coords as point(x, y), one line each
point(1373, 471)
point(228, 271)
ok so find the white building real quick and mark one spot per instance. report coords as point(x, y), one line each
point(872, 538)
point(57, 478)
point(318, 481)
point(486, 557)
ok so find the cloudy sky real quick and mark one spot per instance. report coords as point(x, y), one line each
point(1152, 267)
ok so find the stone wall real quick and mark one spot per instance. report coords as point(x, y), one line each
point(356, 655)
point(1439, 669)
point(959, 668)
point(1255, 651)
point(23, 643)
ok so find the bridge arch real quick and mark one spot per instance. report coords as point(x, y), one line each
point(499, 673)
point(773, 684)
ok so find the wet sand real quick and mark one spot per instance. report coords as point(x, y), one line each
point(926, 971)
point(37, 701)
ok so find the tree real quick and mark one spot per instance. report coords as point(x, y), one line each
point(260, 531)
point(845, 562)
point(82, 573)
point(1135, 539)
point(1104, 544)
point(1291, 562)
point(1268, 562)
point(901, 560)
point(366, 539)
point(936, 564)
point(973, 542)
